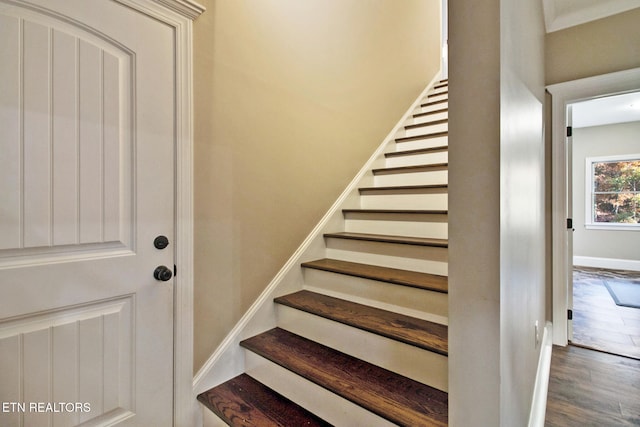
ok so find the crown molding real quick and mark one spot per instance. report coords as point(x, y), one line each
point(187, 8)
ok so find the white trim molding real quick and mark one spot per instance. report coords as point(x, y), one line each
point(608, 263)
point(187, 8)
point(563, 95)
point(539, 403)
point(179, 14)
point(612, 226)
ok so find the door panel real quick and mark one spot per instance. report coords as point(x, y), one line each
point(87, 113)
point(11, 154)
point(70, 180)
point(80, 354)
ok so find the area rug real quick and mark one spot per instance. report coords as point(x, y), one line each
point(624, 293)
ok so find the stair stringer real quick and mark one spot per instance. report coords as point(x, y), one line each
point(228, 360)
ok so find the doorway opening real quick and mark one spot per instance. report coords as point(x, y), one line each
point(604, 181)
point(565, 97)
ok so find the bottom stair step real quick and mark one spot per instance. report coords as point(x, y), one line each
point(243, 401)
point(389, 395)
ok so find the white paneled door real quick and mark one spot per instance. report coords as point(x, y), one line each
point(87, 137)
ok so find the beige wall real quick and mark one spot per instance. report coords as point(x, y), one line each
point(599, 47)
point(291, 99)
point(522, 206)
point(474, 206)
point(496, 209)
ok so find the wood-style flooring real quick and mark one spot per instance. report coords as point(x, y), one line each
point(598, 322)
point(591, 388)
point(590, 383)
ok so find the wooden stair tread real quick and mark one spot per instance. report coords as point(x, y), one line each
point(243, 401)
point(419, 137)
point(430, 103)
point(409, 330)
point(417, 151)
point(398, 211)
point(399, 399)
point(446, 92)
point(432, 123)
point(403, 188)
point(396, 276)
point(429, 113)
point(383, 238)
point(410, 169)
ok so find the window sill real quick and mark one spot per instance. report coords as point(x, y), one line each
point(613, 227)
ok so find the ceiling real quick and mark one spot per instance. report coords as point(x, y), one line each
point(608, 110)
point(560, 14)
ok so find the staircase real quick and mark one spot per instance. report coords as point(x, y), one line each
point(364, 342)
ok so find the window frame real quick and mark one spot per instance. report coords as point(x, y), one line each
point(589, 223)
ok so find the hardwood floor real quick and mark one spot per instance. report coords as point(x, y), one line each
point(598, 387)
point(597, 321)
point(591, 388)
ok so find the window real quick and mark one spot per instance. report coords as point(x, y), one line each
point(613, 186)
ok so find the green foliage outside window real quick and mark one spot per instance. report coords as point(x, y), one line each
point(616, 192)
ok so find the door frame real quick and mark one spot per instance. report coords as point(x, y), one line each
point(564, 94)
point(179, 14)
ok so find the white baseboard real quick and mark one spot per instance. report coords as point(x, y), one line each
point(610, 263)
point(539, 402)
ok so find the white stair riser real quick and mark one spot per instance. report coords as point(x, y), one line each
point(424, 259)
point(417, 159)
point(442, 89)
point(429, 108)
point(420, 303)
point(412, 362)
point(209, 419)
point(436, 201)
point(422, 143)
point(423, 130)
point(435, 230)
point(426, 119)
point(328, 406)
point(434, 142)
point(413, 178)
